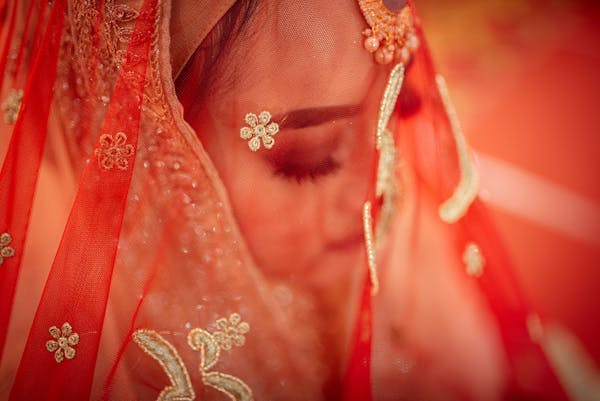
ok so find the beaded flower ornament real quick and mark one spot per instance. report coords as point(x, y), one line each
point(391, 36)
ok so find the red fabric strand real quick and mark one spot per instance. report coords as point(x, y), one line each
point(20, 170)
point(77, 288)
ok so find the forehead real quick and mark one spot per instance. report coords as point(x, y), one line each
point(299, 51)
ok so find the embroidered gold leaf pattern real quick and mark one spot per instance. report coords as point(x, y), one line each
point(12, 105)
point(114, 151)
point(236, 389)
point(473, 260)
point(230, 333)
point(466, 191)
point(167, 356)
point(259, 129)
point(64, 341)
point(203, 341)
point(6, 251)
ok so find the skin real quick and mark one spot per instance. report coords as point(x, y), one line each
point(298, 205)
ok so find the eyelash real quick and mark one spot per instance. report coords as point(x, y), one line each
point(301, 173)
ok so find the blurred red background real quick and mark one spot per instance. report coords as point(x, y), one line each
point(524, 76)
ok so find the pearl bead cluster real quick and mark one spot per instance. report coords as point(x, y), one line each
point(391, 36)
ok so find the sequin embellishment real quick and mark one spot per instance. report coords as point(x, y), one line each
point(259, 129)
point(64, 341)
point(231, 333)
point(12, 105)
point(114, 151)
point(391, 35)
point(473, 260)
point(6, 251)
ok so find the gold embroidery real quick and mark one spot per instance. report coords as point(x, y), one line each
point(386, 185)
point(230, 333)
point(12, 105)
point(236, 389)
point(114, 151)
point(64, 338)
point(259, 129)
point(370, 247)
point(6, 251)
point(162, 351)
point(392, 34)
point(465, 193)
point(473, 260)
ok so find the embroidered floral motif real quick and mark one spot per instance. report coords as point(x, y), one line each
point(12, 105)
point(259, 129)
point(231, 332)
point(473, 260)
point(114, 151)
point(5, 250)
point(64, 339)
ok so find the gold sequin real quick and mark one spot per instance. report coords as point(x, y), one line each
point(162, 351)
point(259, 129)
point(114, 151)
point(12, 105)
point(473, 260)
point(391, 35)
point(64, 341)
point(370, 247)
point(465, 193)
point(6, 251)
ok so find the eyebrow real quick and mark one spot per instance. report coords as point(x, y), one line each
point(311, 117)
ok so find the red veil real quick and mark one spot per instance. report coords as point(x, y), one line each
point(153, 291)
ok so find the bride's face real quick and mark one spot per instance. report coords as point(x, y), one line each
point(299, 204)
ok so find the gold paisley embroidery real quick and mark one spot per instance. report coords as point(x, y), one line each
point(114, 151)
point(161, 350)
point(236, 389)
point(386, 185)
point(12, 105)
point(64, 340)
point(231, 333)
point(465, 193)
point(473, 260)
point(6, 251)
point(370, 247)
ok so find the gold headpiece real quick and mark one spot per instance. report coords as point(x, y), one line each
point(391, 36)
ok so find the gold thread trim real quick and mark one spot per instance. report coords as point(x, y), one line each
point(454, 208)
point(166, 355)
point(389, 99)
point(370, 247)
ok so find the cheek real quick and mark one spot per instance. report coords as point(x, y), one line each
point(278, 219)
